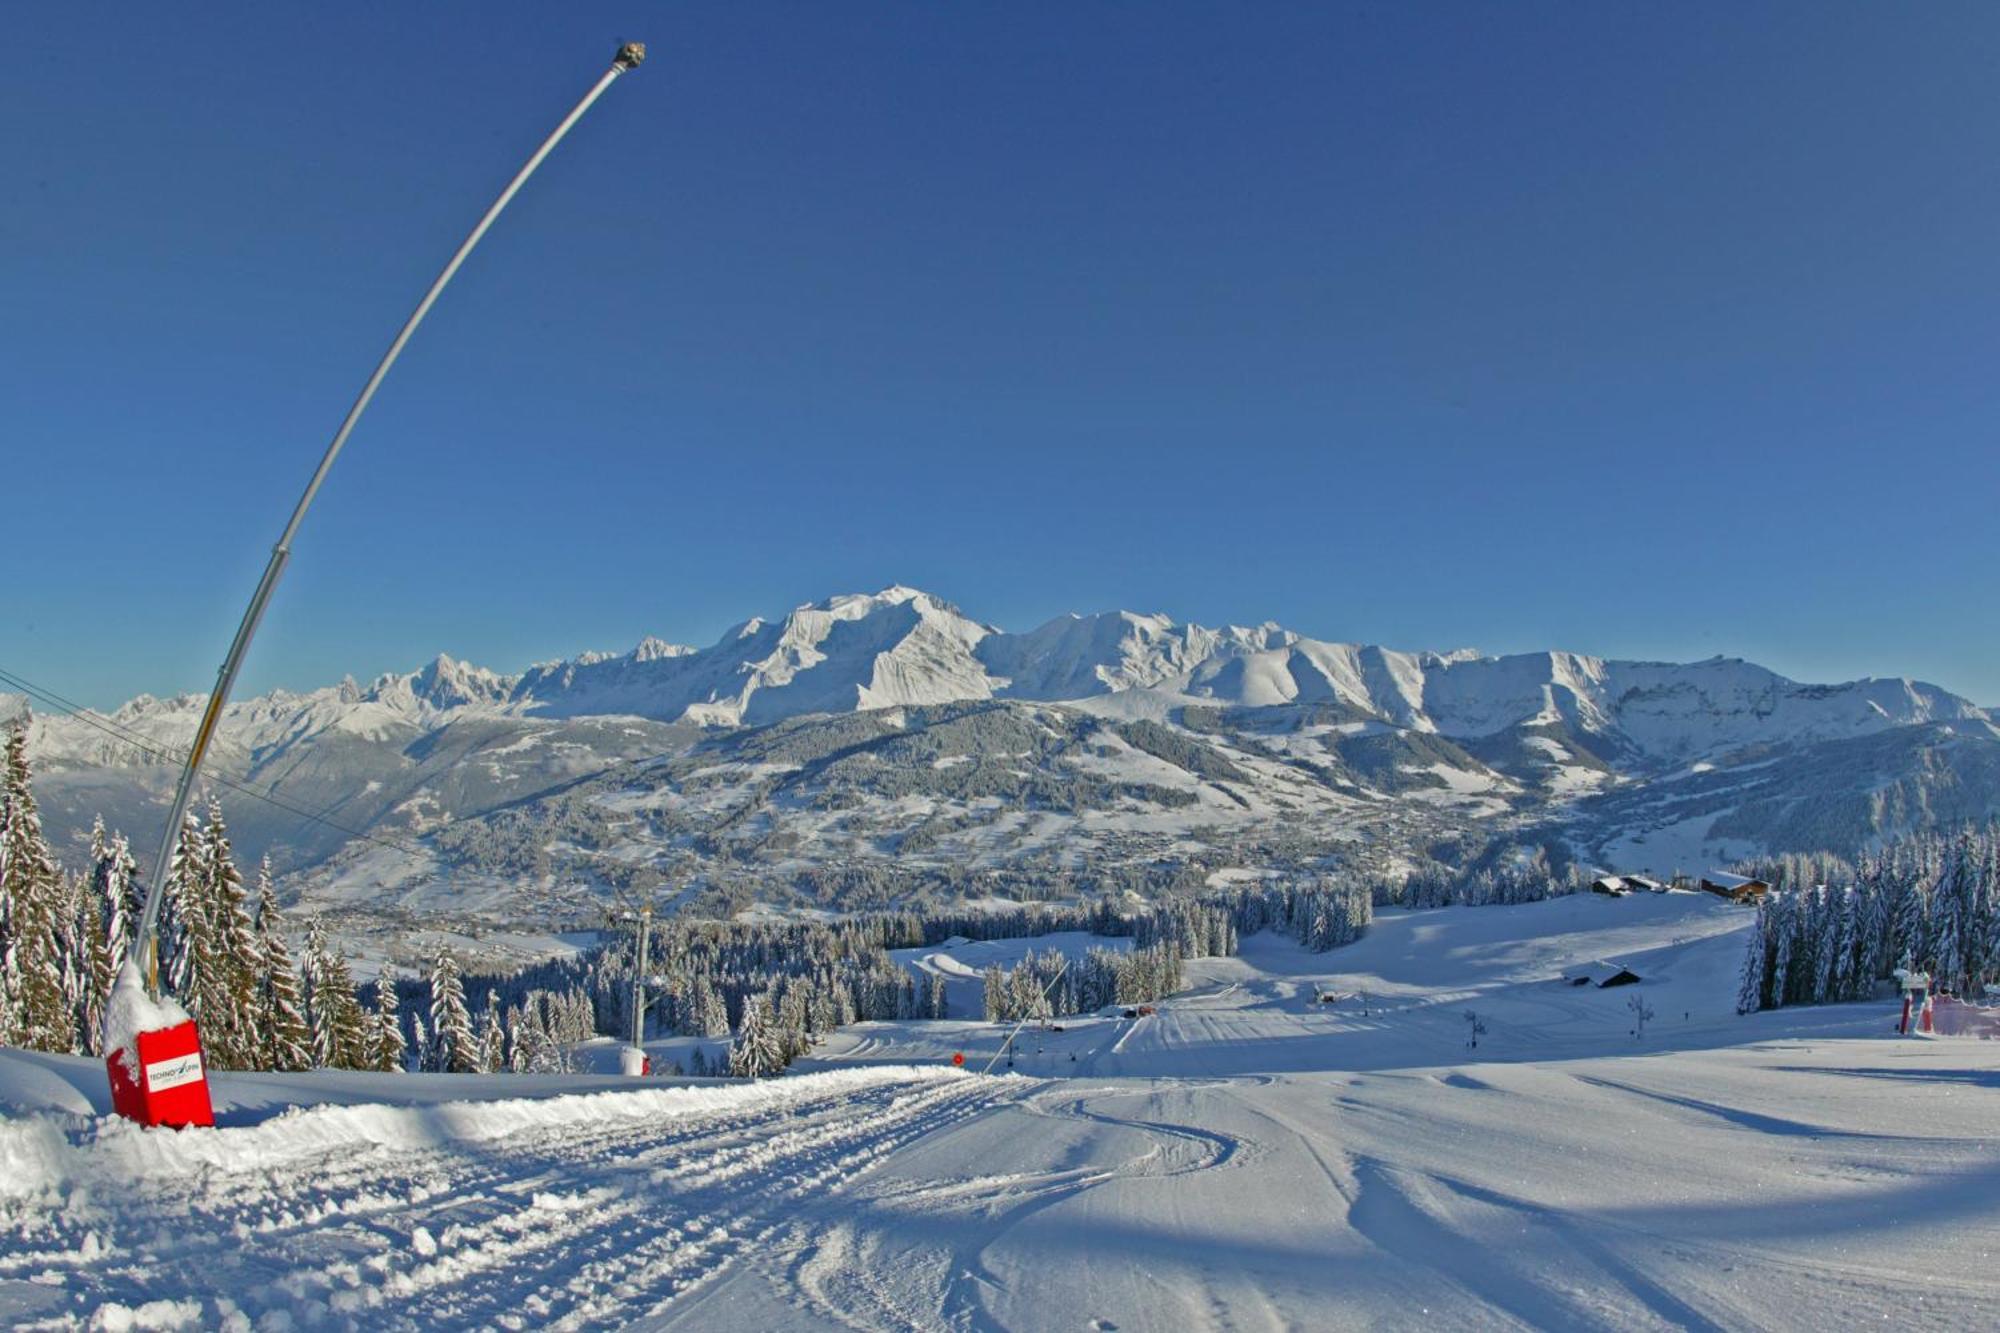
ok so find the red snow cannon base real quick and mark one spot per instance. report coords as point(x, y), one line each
point(172, 1090)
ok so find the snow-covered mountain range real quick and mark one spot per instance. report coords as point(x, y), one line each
point(876, 736)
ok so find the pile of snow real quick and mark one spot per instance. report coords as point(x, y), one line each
point(130, 1011)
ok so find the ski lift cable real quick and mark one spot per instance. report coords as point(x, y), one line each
point(92, 718)
point(1006, 1045)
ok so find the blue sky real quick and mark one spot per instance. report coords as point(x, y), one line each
point(1653, 332)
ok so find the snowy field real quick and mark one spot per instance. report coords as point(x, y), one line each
point(1252, 1156)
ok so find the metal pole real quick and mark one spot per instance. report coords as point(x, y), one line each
point(146, 946)
point(1008, 1044)
point(639, 978)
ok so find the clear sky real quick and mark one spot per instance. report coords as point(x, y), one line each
point(1656, 331)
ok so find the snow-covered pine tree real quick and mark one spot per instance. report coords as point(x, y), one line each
point(520, 1041)
point(454, 1050)
point(1961, 952)
point(756, 1052)
point(546, 1053)
point(386, 1052)
point(34, 1012)
point(995, 984)
point(114, 883)
point(791, 1023)
point(107, 887)
point(1784, 929)
point(183, 923)
point(1756, 963)
point(231, 990)
point(1826, 943)
point(1874, 951)
point(287, 1041)
point(1847, 918)
point(1909, 911)
point(87, 976)
point(492, 1041)
point(339, 1034)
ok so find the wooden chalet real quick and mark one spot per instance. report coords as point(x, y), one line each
point(1736, 888)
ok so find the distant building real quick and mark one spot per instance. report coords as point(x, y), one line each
point(1736, 888)
point(1619, 885)
point(1601, 974)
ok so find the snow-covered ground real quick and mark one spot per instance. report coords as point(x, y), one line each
point(1251, 1156)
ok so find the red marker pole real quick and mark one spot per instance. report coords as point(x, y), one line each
point(125, 1053)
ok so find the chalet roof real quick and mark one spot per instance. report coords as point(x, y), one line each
point(1598, 972)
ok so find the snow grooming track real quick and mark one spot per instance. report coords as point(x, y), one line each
point(869, 1269)
point(570, 1212)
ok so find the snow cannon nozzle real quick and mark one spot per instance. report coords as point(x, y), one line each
point(630, 56)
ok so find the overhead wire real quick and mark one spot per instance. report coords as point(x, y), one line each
point(117, 731)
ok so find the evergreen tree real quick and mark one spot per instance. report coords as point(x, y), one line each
point(492, 1042)
point(454, 1050)
point(1784, 929)
point(1841, 985)
point(756, 1051)
point(34, 1011)
point(333, 1013)
point(1756, 963)
point(386, 1050)
point(1909, 908)
point(287, 1044)
point(109, 889)
point(235, 1037)
point(711, 1011)
point(114, 879)
point(996, 995)
point(90, 966)
point(182, 928)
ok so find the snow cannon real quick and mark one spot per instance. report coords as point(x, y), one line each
point(633, 1062)
point(154, 1058)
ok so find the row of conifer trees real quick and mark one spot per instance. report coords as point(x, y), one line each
point(1928, 902)
point(64, 936)
point(226, 956)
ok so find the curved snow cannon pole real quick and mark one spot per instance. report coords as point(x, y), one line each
point(143, 1034)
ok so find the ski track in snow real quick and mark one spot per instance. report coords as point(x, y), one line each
point(570, 1225)
point(867, 1269)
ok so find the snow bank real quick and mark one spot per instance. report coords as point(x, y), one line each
point(36, 1154)
point(131, 1011)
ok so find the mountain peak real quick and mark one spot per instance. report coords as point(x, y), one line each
point(652, 649)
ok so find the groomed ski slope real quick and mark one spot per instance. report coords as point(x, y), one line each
point(1248, 1158)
